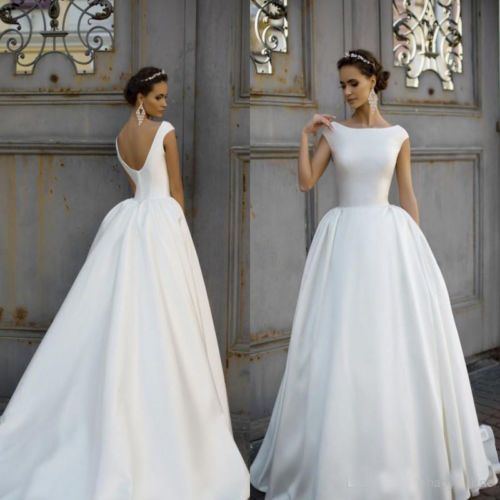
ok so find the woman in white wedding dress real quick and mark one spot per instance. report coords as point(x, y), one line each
point(124, 398)
point(375, 401)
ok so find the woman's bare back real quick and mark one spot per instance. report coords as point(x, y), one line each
point(134, 142)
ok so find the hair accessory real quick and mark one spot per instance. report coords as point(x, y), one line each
point(154, 75)
point(360, 57)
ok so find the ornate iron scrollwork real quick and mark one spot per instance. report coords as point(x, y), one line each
point(31, 29)
point(427, 35)
point(268, 32)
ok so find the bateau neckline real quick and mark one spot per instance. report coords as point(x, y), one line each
point(363, 128)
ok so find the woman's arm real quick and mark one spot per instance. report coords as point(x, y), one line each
point(407, 198)
point(311, 170)
point(173, 167)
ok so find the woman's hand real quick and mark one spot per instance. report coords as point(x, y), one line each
point(309, 171)
point(318, 121)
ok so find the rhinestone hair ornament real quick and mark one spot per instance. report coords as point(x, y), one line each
point(154, 75)
point(360, 57)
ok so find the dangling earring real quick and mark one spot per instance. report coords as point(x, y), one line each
point(372, 100)
point(141, 114)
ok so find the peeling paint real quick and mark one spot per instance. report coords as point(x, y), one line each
point(20, 314)
point(237, 355)
point(266, 335)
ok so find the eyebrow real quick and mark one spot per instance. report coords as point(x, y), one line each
point(351, 80)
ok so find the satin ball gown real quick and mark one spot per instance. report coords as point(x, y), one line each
point(375, 401)
point(125, 399)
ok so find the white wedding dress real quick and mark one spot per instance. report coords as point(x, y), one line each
point(124, 399)
point(375, 401)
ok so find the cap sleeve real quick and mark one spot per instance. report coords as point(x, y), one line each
point(404, 134)
point(328, 134)
point(167, 127)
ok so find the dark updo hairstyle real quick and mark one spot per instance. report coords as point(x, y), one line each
point(373, 67)
point(137, 84)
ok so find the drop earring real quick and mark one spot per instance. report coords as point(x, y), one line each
point(372, 100)
point(140, 113)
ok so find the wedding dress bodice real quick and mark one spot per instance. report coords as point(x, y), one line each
point(151, 180)
point(364, 161)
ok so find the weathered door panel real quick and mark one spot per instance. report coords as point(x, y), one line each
point(220, 192)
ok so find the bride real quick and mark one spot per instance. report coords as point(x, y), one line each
point(375, 401)
point(124, 398)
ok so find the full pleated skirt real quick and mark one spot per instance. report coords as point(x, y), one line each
point(375, 402)
point(124, 398)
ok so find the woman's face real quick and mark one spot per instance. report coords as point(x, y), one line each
point(355, 85)
point(155, 102)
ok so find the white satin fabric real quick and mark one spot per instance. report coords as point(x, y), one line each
point(124, 398)
point(375, 401)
